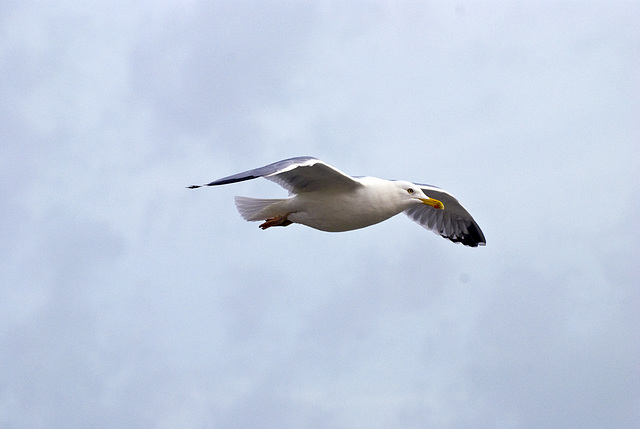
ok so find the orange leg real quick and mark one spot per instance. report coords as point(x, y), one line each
point(276, 221)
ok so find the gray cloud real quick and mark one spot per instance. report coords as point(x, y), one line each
point(128, 300)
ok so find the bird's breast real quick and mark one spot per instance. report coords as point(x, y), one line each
point(336, 212)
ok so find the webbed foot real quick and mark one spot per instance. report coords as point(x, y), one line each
point(276, 221)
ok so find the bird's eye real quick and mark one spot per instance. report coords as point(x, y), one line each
point(410, 190)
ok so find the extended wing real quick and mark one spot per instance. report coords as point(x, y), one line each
point(454, 222)
point(300, 174)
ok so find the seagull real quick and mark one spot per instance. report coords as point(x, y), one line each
point(325, 198)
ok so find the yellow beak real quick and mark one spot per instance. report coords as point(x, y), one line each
point(437, 204)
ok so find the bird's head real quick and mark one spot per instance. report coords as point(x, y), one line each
point(413, 193)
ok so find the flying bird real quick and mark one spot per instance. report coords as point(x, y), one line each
point(324, 198)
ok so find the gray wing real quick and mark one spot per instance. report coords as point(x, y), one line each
point(454, 222)
point(300, 174)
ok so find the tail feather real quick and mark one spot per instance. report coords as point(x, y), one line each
point(254, 209)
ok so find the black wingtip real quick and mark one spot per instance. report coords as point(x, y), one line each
point(194, 186)
point(475, 237)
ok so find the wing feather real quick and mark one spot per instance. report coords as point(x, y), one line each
point(299, 174)
point(454, 222)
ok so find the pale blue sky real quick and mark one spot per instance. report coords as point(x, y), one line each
point(130, 301)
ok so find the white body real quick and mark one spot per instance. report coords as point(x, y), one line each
point(336, 211)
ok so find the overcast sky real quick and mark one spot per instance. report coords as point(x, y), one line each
point(128, 301)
